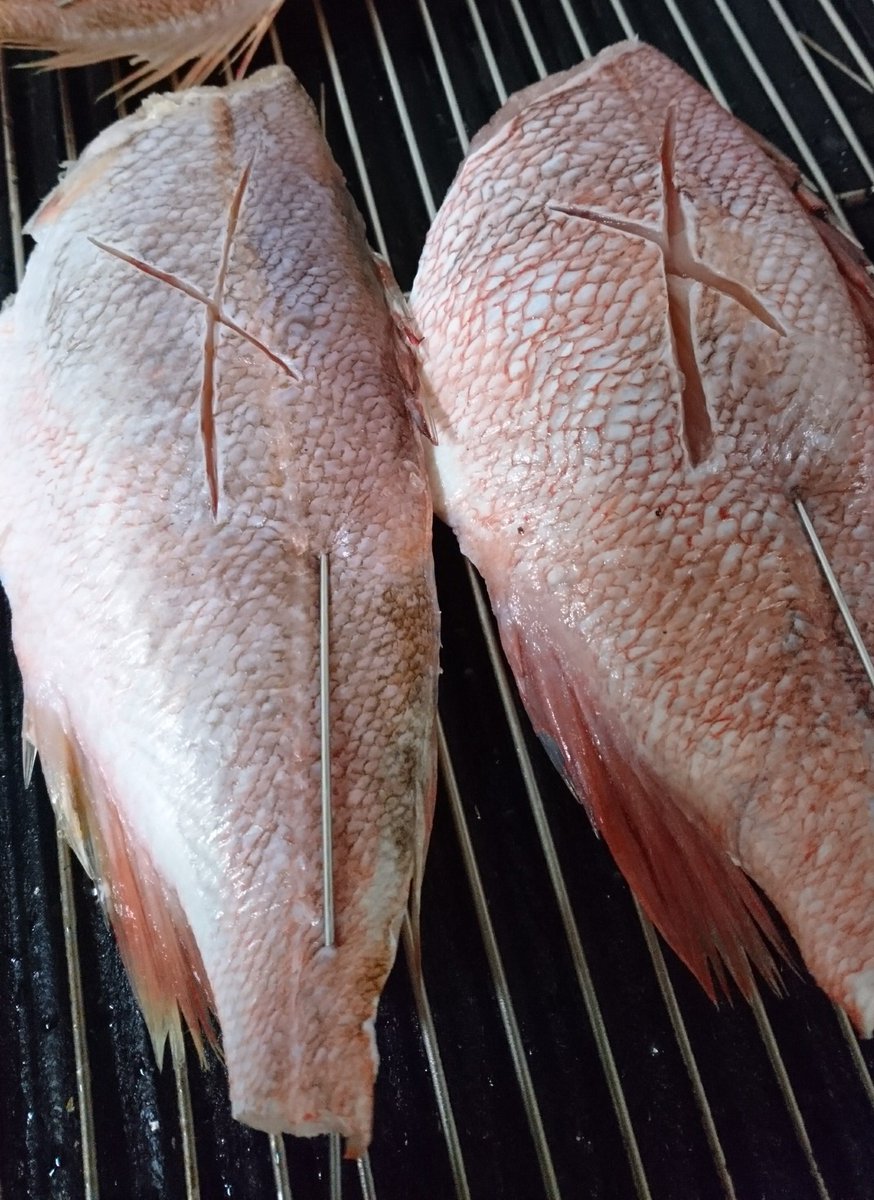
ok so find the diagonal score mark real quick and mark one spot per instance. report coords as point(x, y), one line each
point(214, 318)
point(682, 268)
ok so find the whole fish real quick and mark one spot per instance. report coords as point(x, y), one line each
point(644, 344)
point(207, 391)
point(159, 35)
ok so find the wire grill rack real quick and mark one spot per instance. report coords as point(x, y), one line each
point(561, 1051)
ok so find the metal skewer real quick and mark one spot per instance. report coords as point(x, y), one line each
point(325, 735)
point(835, 588)
point(327, 816)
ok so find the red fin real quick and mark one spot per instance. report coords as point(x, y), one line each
point(705, 907)
point(153, 936)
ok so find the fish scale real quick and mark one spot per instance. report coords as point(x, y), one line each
point(614, 547)
point(186, 482)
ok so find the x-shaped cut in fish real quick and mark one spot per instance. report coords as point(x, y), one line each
point(214, 317)
point(682, 268)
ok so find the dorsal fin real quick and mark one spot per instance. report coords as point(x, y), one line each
point(157, 50)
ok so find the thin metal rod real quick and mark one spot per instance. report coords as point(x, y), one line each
point(755, 64)
point(836, 591)
point(77, 1017)
point(400, 105)
point(335, 1163)
point(443, 72)
point(849, 41)
point(11, 167)
point(855, 1053)
point(533, 49)
point(186, 1117)
point(275, 44)
point(325, 745)
point(279, 1162)
point(365, 1177)
point(695, 50)
point(68, 905)
point(836, 62)
point(576, 29)
point(547, 844)
point(679, 1026)
point(823, 88)
point(622, 16)
point(435, 1062)
point(488, 52)
point(351, 131)
point(779, 1068)
point(499, 978)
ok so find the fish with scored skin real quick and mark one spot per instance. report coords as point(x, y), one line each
point(644, 343)
point(159, 35)
point(206, 387)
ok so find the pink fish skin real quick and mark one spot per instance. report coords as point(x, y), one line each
point(207, 389)
point(644, 343)
point(161, 36)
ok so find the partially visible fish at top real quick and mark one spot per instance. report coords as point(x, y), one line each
point(208, 390)
point(161, 36)
point(645, 342)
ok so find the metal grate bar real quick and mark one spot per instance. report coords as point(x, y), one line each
point(773, 95)
point(71, 942)
point(365, 1178)
point(679, 1026)
point(695, 50)
point(418, 165)
point(849, 41)
point(787, 1089)
point(11, 168)
point(279, 1162)
point(835, 62)
point(428, 1031)
point(486, 47)
point(351, 132)
point(856, 1053)
point(77, 1021)
point(443, 72)
point(531, 44)
point(499, 978)
point(824, 90)
point(619, 9)
point(576, 30)
point(186, 1117)
point(435, 1062)
point(578, 954)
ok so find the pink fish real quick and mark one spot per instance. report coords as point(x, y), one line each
point(645, 344)
point(161, 36)
point(206, 388)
